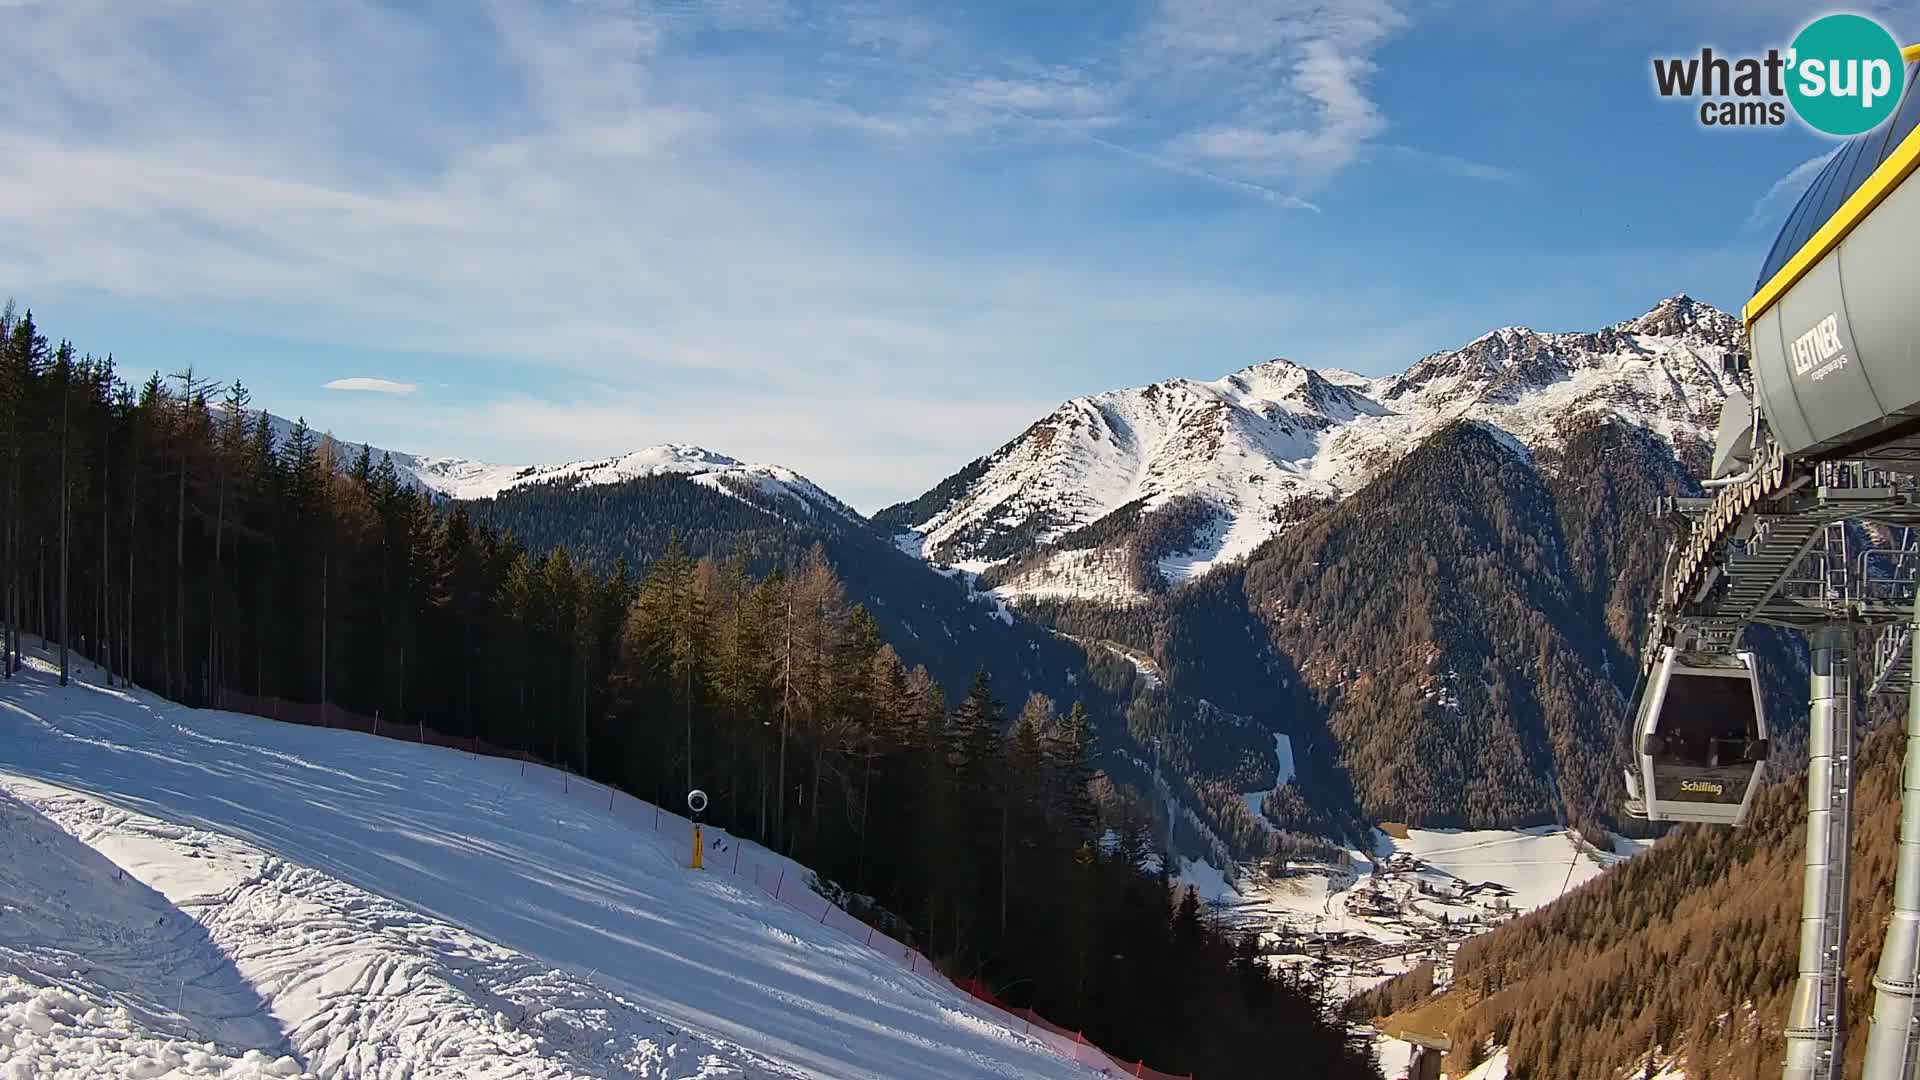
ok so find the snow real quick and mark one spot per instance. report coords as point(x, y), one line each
point(1494, 1068)
point(1149, 674)
point(1283, 764)
point(210, 893)
point(1627, 846)
point(1207, 880)
point(134, 939)
point(1312, 898)
point(463, 478)
point(1089, 574)
point(1252, 443)
point(1352, 380)
point(1283, 759)
point(1538, 864)
point(1172, 806)
point(1392, 1055)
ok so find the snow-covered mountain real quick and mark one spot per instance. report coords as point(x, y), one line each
point(465, 478)
point(460, 478)
point(1229, 463)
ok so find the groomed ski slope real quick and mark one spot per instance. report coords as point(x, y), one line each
point(197, 893)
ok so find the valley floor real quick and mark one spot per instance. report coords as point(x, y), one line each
point(1307, 921)
point(197, 894)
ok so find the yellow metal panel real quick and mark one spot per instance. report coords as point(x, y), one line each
point(1877, 187)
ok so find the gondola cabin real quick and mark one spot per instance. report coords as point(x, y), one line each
point(1700, 739)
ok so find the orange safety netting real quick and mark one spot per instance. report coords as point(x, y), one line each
point(724, 855)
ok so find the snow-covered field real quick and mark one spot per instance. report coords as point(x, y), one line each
point(1393, 1055)
point(1538, 865)
point(195, 893)
point(1532, 867)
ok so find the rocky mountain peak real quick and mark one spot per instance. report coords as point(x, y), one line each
point(1266, 437)
point(1683, 316)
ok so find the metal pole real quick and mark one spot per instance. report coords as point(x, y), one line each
point(1816, 1027)
point(1894, 1037)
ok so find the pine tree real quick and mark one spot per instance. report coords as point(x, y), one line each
point(304, 580)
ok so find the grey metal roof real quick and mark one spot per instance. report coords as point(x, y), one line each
point(1844, 174)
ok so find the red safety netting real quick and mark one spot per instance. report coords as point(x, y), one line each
point(1069, 1044)
point(722, 853)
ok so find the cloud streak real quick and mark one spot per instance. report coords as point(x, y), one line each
point(881, 224)
point(1780, 197)
point(372, 386)
point(1307, 127)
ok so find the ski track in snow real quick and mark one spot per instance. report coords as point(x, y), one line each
point(209, 935)
point(202, 894)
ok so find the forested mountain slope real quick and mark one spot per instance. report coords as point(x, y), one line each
point(933, 619)
point(1211, 749)
point(1449, 643)
point(1688, 948)
point(1445, 610)
point(1454, 644)
point(183, 547)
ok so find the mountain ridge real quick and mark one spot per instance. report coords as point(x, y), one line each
point(468, 479)
point(1243, 449)
point(1113, 519)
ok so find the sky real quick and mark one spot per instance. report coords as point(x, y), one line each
point(870, 240)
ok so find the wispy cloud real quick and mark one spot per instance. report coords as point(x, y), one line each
point(372, 386)
point(1308, 125)
point(1064, 93)
point(1444, 164)
point(1174, 163)
point(590, 193)
point(1770, 207)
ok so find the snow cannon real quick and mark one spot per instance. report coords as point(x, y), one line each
point(1700, 740)
point(697, 805)
point(1833, 329)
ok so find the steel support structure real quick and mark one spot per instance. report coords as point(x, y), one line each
point(1816, 1021)
point(1893, 1040)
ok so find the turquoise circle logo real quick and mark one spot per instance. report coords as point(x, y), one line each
point(1846, 74)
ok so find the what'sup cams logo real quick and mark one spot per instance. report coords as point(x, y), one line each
point(1842, 75)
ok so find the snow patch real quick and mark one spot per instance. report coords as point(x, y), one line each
point(1207, 880)
point(1283, 766)
point(1494, 1068)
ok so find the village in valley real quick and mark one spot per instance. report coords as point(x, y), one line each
point(1414, 898)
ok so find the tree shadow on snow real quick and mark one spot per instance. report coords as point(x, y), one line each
point(71, 918)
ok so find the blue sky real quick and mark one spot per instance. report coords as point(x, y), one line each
point(871, 240)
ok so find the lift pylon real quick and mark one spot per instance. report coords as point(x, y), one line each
point(1893, 1040)
point(1825, 445)
point(1816, 1021)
